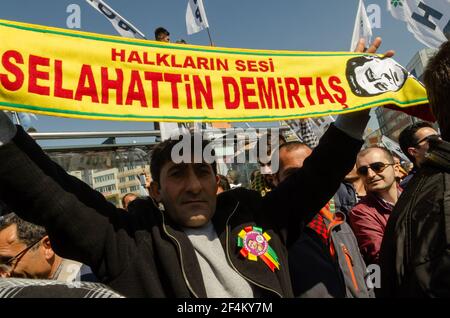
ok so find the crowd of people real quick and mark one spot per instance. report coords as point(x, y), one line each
point(317, 227)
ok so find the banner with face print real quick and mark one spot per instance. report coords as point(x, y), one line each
point(69, 73)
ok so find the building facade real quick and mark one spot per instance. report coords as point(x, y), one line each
point(114, 183)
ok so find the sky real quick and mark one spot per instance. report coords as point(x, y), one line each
point(299, 25)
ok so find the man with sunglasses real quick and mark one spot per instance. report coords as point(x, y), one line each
point(369, 217)
point(26, 252)
point(413, 141)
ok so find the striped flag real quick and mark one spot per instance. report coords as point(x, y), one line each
point(122, 26)
point(196, 17)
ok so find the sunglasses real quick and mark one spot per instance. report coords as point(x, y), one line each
point(427, 138)
point(376, 167)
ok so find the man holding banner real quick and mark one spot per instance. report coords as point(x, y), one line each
point(192, 243)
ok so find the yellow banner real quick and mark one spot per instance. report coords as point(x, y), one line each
point(68, 73)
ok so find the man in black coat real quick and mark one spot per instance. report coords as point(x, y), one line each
point(415, 252)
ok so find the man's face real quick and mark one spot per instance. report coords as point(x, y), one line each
point(422, 144)
point(292, 160)
point(31, 264)
point(164, 38)
point(377, 182)
point(188, 192)
point(128, 199)
point(380, 75)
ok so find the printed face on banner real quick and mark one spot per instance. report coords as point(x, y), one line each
point(371, 75)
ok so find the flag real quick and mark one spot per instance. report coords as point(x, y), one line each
point(428, 20)
point(215, 95)
point(195, 17)
point(394, 147)
point(122, 26)
point(362, 28)
point(303, 129)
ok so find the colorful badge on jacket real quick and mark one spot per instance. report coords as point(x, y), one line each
point(254, 243)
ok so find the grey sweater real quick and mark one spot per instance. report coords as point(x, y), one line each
point(219, 278)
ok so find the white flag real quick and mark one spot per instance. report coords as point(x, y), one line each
point(362, 28)
point(125, 28)
point(428, 20)
point(195, 17)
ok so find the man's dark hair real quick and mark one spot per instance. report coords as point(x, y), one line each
point(350, 73)
point(387, 153)
point(408, 139)
point(223, 183)
point(437, 82)
point(161, 154)
point(289, 146)
point(159, 32)
point(27, 232)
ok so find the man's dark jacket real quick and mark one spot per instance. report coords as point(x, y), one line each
point(415, 252)
point(143, 253)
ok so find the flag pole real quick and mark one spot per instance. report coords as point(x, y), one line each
point(207, 29)
point(210, 39)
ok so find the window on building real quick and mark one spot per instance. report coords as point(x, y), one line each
point(108, 188)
